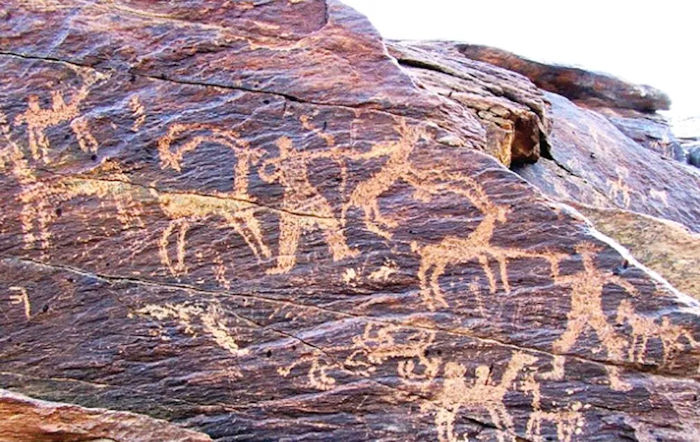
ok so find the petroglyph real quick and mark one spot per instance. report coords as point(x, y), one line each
point(212, 322)
point(397, 167)
point(290, 169)
point(19, 296)
point(220, 272)
point(236, 208)
point(40, 200)
point(659, 195)
point(317, 374)
point(619, 190)
point(644, 328)
point(38, 120)
point(377, 345)
point(198, 134)
point(380, 343)
point(569, 423)
point(587, 308)
point(476, 246)
point(385, 271)
point(482, 394)
point(139, 113)
point(183, 209)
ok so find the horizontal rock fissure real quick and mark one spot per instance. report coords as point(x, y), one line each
point(366, 105)
point(128, 280)
point(179, 192)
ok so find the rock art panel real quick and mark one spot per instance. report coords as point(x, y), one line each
point(233, 236)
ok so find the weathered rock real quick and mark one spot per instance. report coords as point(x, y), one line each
point(24, 419)
point(511, 108)
point(648, 130)
point(248, 220)
point(694, 155)
point(581, 86)
point(608, 165)
point(666, 247)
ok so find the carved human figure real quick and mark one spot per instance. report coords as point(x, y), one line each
point(568, 423)
point(19, 295)
point(587, 305)
point(568, 419)
point(303, 207)
point(619, 189)
point(587, 310)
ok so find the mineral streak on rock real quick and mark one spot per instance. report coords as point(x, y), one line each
point(257, 220)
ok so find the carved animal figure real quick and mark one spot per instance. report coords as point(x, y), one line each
point(643, 328)
point(482, 394)
point(477, 246)
point(237, 208)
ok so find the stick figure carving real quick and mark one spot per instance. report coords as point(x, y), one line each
point(587, 309)
point(301, 198)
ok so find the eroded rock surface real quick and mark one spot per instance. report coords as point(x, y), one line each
point(604, 161)
point(255, 220)
point(584, 87)
point(24, 419)
point(666, 247)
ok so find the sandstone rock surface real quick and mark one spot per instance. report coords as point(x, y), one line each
point(584, 87)
point(30, 419)
point(259, 221)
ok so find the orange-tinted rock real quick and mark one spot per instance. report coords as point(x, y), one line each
point(23, 418)
point(667, 248)
point(599, 162)
point(584, 87)
point(250, 220)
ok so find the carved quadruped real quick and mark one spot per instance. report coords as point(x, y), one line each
point(237, 208)
point(482, 393)
point(644, 328)
point(38, 119)
point(476, 246)
point(194, 318)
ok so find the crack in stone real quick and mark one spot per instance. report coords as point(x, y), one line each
point(179, 192)
point(283, 301)
point(375, 107)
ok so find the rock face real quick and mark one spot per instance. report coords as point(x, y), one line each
point(259, 221)
point(30, 419)
point(584, 87)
